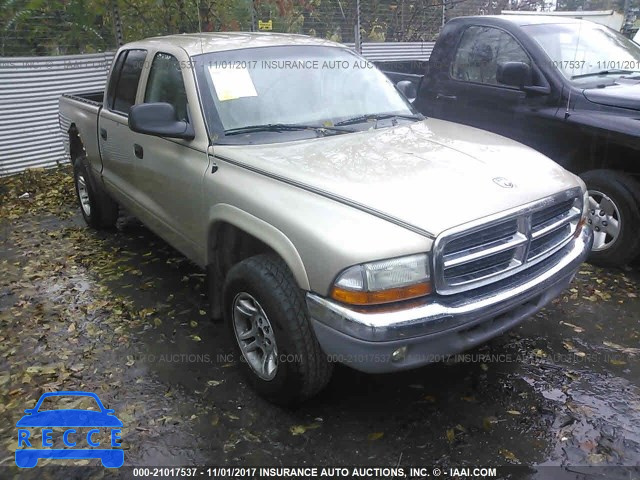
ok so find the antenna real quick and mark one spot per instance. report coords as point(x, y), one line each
point(575, 55)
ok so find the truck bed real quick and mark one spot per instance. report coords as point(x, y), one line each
point(92, 98)
point(79, 112)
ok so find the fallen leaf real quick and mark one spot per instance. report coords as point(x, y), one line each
point(488, 422)
point(627, 350)
point(301, 429)
point(539, 353)
point(451, 435)
point(509, 455)
point(596, 458)
point(375, 436)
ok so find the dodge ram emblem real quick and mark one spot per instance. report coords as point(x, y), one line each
point(503, 182)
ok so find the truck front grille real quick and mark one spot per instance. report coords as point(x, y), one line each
point(474, 255)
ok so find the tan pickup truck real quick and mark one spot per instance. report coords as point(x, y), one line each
point(335, 223)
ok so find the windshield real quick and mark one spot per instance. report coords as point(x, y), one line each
point(294, 85)
point(584, 50)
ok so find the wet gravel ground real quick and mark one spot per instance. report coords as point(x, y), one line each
point(122, 314)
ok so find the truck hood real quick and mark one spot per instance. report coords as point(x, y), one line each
point(432, 175)
point(624, 94)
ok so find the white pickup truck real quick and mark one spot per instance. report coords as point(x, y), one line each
point(335, 223)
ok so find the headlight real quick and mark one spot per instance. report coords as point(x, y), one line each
point(384, 281)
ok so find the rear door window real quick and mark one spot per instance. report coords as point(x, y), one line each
point(127, 85)
point(113, 80)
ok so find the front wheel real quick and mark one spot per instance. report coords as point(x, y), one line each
point(269, 327)
point(613, 214)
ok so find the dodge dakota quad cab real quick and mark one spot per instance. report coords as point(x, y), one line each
point(335, 223)
point(568, 88)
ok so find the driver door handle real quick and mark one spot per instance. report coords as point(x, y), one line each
point(137, 149)
point(442, 96)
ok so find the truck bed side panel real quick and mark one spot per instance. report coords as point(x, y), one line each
point(82, 112)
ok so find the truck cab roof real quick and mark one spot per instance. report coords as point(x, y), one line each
point(519, 20)
point(201, 43)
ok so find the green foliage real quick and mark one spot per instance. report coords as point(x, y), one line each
point(56, 27)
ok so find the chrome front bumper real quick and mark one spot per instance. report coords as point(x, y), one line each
point(444, 325)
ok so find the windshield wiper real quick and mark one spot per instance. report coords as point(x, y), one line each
point(602, 72)
point(378, 116)
point(283, 127)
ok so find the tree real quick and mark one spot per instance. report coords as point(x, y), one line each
point(53, 27)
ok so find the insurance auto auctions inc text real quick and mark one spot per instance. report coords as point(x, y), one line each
point(350, 472)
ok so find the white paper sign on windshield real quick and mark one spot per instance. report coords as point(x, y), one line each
point(231, 83)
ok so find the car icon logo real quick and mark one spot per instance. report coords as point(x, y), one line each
point(67, 419)
point(503, 182)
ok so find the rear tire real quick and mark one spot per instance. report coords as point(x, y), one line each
point(97, 208)
point(267, 319)
point(614, 216)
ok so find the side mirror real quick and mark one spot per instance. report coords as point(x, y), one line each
point(515, 74)
point(408, 89)
point(159, 119)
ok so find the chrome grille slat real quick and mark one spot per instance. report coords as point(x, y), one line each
point(484, 266)
point(458, 258)
point(548, 213)
point(499, 231)
point(550, 241)
point(482, 253)
point(554, 223)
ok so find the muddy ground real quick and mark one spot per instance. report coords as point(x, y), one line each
point(122, 314)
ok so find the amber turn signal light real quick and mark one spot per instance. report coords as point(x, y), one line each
point(353, 297)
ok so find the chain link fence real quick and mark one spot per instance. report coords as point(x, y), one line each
point(65, 27)
point(48, 47)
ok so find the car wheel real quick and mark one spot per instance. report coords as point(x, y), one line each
point(26, 458)
point(614, 215)
point(98, 209)
point(270, 330)
point(112, 459)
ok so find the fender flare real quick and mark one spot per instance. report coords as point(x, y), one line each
point(263, 231)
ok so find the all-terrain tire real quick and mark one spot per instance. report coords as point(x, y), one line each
point(302, 368)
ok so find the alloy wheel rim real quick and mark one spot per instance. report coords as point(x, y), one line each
point(604, 217)
point(255, 336)
point(83, 194)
